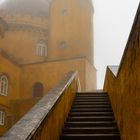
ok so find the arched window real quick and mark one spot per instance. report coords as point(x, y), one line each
point(2, 117)
point(41, 49)
point(38, 89)
point(3, 85)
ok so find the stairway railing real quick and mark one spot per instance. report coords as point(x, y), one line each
point(46, 119)
point(124, 86)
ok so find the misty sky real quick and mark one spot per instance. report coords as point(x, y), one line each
point(112, 24)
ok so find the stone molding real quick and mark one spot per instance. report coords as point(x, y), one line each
point(26, 27)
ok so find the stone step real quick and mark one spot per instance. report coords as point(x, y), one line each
point(91, 95)
point(90, 137)
point(91, 110)
point(91, 103)
point(90, 130)
point(109, 119)
point(91, 106)
point(90, 124)
point(91, 114)
point(91, 100)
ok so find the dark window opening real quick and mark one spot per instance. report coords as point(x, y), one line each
point(38, 89)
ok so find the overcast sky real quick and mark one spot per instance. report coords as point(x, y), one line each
point(113, 20)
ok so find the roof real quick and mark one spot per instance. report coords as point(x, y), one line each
point(27, 7)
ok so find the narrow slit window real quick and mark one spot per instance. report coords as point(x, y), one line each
point(2, 118)
point(3, 85)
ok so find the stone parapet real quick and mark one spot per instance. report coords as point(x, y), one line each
point(123, 86)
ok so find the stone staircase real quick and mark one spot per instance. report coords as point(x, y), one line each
point(91, 118)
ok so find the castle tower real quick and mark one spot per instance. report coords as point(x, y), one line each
point(71, 33)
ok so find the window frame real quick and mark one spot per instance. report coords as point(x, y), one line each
point(4, 85)
point(2, 118)
point(41, 49)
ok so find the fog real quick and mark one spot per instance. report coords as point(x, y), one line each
point(113, 20)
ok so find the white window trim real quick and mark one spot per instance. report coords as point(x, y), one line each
point(4, 85)
point(42, 49)
point(2, 118)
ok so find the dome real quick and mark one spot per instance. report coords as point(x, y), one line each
point(25, 7)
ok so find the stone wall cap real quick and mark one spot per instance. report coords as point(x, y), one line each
point(114, 69)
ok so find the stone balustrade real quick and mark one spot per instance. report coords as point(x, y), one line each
point(46, 119)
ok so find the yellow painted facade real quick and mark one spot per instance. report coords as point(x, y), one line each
point(42, 44)
point(71, 24)
point(13, 73)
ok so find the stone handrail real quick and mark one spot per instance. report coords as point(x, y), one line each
point(46, 119)
point(123, 86)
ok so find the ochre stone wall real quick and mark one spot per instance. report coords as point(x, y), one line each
point(24, 33)
point(49, 74)
point(71, 24)
point(13, 73)
point(20, 107)
point(91, 79)
point(66, 29)
point(22, 46)
point(46, 119)
point(124, 89)
point(53, 73)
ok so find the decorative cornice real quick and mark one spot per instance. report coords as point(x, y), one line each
point(27, 27)
point(47, 60)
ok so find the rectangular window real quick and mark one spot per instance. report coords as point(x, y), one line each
point(2, 118)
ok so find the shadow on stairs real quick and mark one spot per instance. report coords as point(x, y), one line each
point(91, 118)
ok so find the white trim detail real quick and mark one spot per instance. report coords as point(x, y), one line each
point(41, 49)
point(2, 118)
point(4, 85)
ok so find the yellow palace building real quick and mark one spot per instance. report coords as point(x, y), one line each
point(41, 41)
